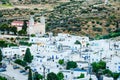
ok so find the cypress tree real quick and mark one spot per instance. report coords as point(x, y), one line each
point(28, 57)
point(0, 55)
point(30, 74)
point(24, 27)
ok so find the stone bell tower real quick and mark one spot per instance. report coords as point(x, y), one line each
point(30, 29)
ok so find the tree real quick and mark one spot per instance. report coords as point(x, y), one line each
point(107, 72)
point(24, 27)
point(115, 75)
point(3, 78)
point(30, 73)
point(37, 76)
point(1, 14)
point(87, 44)
point(60, 76)
point(22, 32)
point(40, 76)
point(32, 35)
point(117, 24)
point(0, 55)
point(98, 66)
point(28, 57)
point(95, 67)
point(52, 76)
point(3, 43)
point(77, 42)
point(90, 78)
point(71, 64)
point(102, 64)
point(4, 27)
point(20, 62)
point(4, 1)
point(61, 61)
point(13, 29)
point(81, 76)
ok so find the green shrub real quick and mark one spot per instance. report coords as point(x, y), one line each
point(71, 64)
point(1, 15)
point(98, 22)
point(99, 29)
point(3, 43)
point(115, 75)
point(35, 8)
point(109, 29)
point(107, 72)
point(93, 22)
point(16, 8)
point(94, 26)
point(107, 24)
point(61, 61)
point(2, 78)
point(25, 43)
point(77, 42)
point(32, 35)
point(81, 76)
point(11, 44)
point(20, 62)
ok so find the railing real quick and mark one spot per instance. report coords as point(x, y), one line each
point(6, 76)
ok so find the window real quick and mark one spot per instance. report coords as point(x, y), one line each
point(22, 50)
point(5, 52)
point(107, 67)
point(66, 76)
point(115, 63)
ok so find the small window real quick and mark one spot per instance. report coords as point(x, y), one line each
point(66, 76)
point(107, 67)
point(22, 50)
point(115, 63)
point(96, 59)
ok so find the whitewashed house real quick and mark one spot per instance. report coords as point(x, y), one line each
point(11, 51)
point(114, 64)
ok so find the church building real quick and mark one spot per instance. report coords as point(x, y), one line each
point(37, 28)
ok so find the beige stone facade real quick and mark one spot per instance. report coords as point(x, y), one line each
point(37, 28)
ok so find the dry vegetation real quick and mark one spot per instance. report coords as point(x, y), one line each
point(74, 17)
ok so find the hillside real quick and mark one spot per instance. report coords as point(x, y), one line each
point(84, 18)
point(91, 18)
